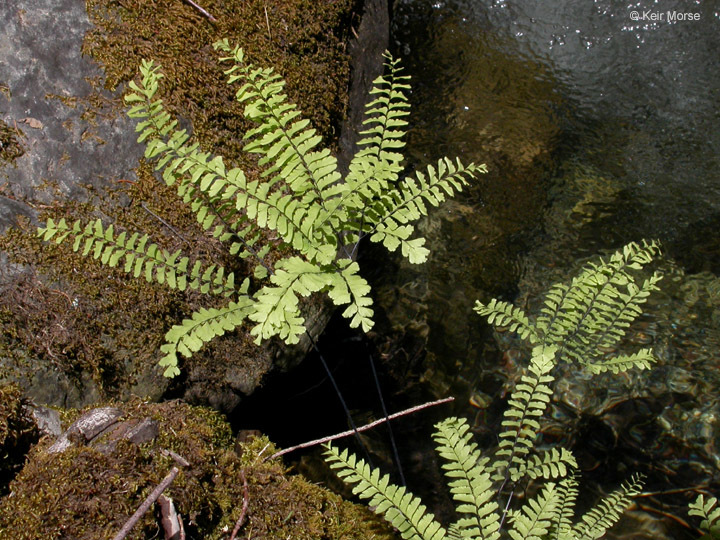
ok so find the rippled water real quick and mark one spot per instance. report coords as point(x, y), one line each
point(598, 129)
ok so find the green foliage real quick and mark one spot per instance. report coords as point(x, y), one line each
point(709, 512)
point(594, 310)
point(300, 203)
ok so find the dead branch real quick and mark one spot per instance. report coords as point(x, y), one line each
point(246, 502)
point(363, 428)
point(201, 10)
point(147, 503)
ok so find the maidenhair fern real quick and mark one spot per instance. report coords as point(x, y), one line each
point(709, 511)
point(301, 200)
point(583, 317)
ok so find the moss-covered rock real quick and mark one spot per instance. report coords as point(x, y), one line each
point(18, 432)
point(95, 330)
point(86, 492)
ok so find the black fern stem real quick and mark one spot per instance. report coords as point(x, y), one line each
point(396, 454)
point(341, 398)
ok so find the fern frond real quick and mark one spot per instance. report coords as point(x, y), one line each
point(388, 219)
point(204, 325)
point(376, 166)
point(504, 314)
point(709, 512)
point(534, 519)
point(640, 360)
point(595, 310)
point(561, 528)
point(135, 255)
point(551, 464)
point(470, 484)
point(285, 142)
point(606, 513)
point(201, 179)
point(402, 509)
point(527, 403)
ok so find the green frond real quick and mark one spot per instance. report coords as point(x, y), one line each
point(388, 219)
point(137, 256)
point(402, 509)
point(617, 364)
point(470, 483)
point(709, 512)
point(561, 527)
point(593, 313)
point(204, 325)
point(351, 288)
point(504, 314)
point(377, 164)
point(551, 464)
point(526, 405)
point(606, 513)
point(201, 179)
point(285, 141)
point(533, 520)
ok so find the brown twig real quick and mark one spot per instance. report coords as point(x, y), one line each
point(363, 428)
point(147, 503)
point(201, 10)
point(246, 502)
point(267, 22)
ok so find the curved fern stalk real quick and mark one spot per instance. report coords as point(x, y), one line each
point(709, 512)
point(470, 484)
point(504, 314)
point(527, 403)
point(202, 181)
point(561, 527)
point(388, 219)
point(533, 520)
point(605, 514)
point(204, 325)
point(136, 256)
point(551, 464)
point(402, 509)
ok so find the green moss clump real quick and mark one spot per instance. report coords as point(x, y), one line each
point(84, 494)
point(18, 432)
point(10, 147)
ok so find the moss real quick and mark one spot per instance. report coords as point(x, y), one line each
point(10, 147)
point(81, 317)
point(83, 494)
point(18, 433)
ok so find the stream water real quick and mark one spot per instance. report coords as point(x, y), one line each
point(598, 129)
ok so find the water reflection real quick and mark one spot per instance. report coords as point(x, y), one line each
point(598, 129)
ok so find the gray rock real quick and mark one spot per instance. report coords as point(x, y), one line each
point(47, 420)
point(88, 426)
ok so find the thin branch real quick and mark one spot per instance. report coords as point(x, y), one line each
point(147, 503)
point(246, 502)
point(363, 428)
point(201, 10)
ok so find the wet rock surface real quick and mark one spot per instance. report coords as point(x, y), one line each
point(66, 114)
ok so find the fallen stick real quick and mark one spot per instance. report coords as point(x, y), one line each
point(201, 10)
point(243, 513)
point(147, 503)
point(363, 428)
